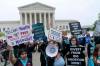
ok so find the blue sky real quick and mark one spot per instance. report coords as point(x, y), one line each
point(85, 11)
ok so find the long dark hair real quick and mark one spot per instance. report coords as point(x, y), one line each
point(21, 51)
point(77, 43)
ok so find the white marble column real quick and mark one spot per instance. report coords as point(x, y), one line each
point(30, 18)
point(25, 18)
point(35, 18)
point(40, 17)
point(49, 20)
point(45, 22)
point(21, 19)
point(30, 14)
point(53, 17)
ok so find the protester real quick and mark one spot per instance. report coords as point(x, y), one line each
point(81, 40)
point(65, 45)
point(91, 48)
point(30, 49)
point(1, 43)
point(97, 57)
point(6, 56)
point(45, 59)
point(21, 55)
point(16, 50)
point(5, 53)
point(87, 39)
point(74, 43)
point(50, 60)
point(43, 54)
point(1, 48)
point(59, 60)
point(22, 60)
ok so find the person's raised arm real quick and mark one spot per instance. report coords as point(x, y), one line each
point(12, 58)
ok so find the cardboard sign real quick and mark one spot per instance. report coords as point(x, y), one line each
point(75, 28)
point(38, 30)
point(19, 35)
point(76, 56)
point(55, 35)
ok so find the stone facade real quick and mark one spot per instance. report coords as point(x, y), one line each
point(37, 13)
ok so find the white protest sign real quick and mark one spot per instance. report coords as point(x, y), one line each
point(55, 35)
point(19, 35)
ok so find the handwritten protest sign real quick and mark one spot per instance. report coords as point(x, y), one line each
point(38, 31)
point(55, 35)
point(76, 56)
point(19, 35)
point(75, 28)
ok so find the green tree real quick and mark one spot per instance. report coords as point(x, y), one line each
point(94, 26)
point(2, 34)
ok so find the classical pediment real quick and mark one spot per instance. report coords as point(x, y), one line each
point(36, 5)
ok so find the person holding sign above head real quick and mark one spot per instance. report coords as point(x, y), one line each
point(23, 60)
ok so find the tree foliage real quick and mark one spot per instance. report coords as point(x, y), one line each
point(2, 34)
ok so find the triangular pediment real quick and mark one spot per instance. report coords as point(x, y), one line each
point(36, 5)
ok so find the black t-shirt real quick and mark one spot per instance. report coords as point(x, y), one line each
point(76, 58)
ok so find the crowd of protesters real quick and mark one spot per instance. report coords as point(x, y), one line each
point(21, 55)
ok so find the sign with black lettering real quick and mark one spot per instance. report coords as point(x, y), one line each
point(75, 28)
point(76, 56)
point(38, 30)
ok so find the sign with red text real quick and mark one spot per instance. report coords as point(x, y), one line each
point(19, 35)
